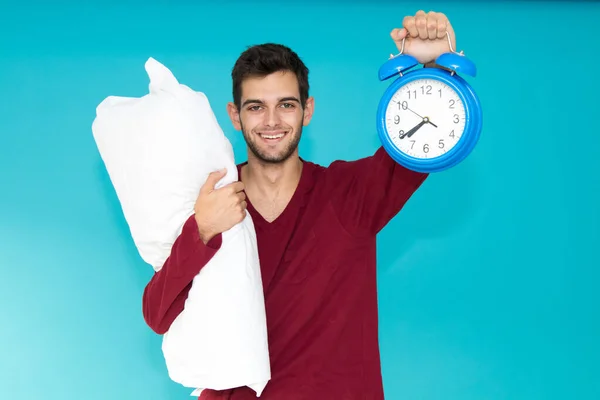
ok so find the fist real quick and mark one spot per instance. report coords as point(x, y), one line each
point(218, 210)
point(425, 36)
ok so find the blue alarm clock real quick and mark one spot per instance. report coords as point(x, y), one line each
point(429, 119)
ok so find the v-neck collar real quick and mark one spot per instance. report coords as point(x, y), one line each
point(295, 201)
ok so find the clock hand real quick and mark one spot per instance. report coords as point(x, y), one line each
point(404, 105)
point(416, 128)
point(413, 130)
point(412, 111)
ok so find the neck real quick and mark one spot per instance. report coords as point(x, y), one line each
point(272, 181)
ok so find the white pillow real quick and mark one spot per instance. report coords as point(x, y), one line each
point(158, 151)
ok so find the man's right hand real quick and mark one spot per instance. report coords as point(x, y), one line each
point(218, 210)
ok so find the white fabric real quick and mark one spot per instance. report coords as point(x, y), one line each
point(158, 150)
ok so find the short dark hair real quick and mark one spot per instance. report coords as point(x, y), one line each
point(265, 59)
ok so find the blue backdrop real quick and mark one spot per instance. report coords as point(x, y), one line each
point(488, 278)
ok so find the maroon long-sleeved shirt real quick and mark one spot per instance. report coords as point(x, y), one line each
point(318, 265)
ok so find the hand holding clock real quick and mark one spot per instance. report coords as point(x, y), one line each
point(425, 34)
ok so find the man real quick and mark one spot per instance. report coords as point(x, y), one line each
point(316, 230)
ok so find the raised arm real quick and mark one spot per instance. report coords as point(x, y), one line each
point(370, 191)
point(216, 210)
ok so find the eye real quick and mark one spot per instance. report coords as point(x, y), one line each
point(254, 108)
point(287, 105)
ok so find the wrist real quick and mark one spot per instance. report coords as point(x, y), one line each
point(205, 234)
point(206, 237)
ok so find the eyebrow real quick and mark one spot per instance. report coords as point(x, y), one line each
point(257, 101)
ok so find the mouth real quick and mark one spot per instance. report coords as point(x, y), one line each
point(272, 137)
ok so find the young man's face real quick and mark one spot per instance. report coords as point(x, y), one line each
point(271, 116)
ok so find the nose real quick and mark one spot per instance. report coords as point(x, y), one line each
point(272, 118)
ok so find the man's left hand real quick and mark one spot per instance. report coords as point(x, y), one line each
point(425, 35)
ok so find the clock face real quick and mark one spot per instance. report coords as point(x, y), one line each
point(425, 118)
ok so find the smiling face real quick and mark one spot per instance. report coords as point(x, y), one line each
point(271, 115)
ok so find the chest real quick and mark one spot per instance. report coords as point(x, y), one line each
point(270, 210)
point(303, 247)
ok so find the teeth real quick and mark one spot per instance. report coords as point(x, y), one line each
point(273, 136)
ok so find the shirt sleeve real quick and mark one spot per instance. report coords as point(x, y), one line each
point(370, 191)
point(165, 295)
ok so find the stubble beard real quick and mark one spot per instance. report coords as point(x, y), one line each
point(277, 158)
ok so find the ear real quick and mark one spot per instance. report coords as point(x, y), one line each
point(309, 108)
point(234, 115)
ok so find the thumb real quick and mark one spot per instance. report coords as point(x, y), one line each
point(212, 180)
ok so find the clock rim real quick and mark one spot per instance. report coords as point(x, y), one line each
point(472, 129)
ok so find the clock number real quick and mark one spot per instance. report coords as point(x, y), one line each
point(441, 144)
point(451, 133)
point(400, 134)
point(426, 148)
point(413, 144)
point(403, 105)
point(396, 119)
point(451, 101)
point(428, 89)
point(440, 92)
point(414, 92)
point(456, 118)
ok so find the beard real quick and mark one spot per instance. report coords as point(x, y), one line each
point(280, 157)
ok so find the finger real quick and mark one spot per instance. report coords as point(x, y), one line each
point(241, 196)
point(232, 188)
point(212, 180)
point(236, 187)
point(242, 213)
point(421, 22)
point(238, 203)
point(410, 26)
point(398, 34)
point(442, 25)
point(432, 25)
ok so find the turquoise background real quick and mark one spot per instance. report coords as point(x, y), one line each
point(488, 278)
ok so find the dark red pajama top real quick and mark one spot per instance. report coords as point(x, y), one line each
point(318, 265)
